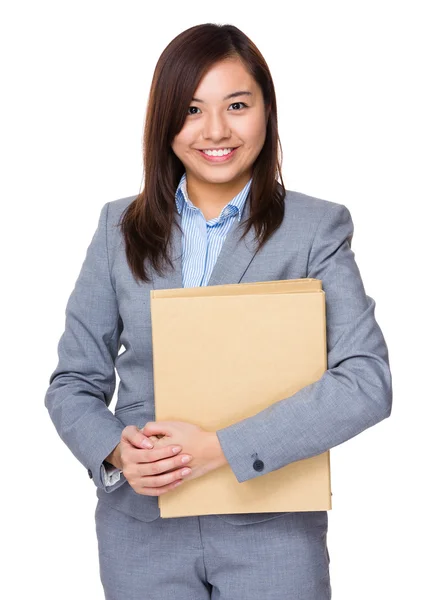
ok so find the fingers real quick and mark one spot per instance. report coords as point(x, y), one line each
point(153, 470)
point(157, 485)
point(160, 460)
point(158, 453)
point(147, 491)
point(164, 469)
point(134, 436)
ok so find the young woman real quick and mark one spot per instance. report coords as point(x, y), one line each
point(213, 210)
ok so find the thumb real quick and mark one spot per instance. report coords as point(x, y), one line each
point(135, 437)
point(157, 428)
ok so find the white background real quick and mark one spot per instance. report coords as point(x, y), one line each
point(357, 103)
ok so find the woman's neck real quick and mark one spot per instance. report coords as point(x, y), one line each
point(211, 198)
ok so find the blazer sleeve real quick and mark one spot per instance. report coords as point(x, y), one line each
point(82, 385)
point(354, 393)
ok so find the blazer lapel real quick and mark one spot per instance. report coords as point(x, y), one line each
point(233, 260)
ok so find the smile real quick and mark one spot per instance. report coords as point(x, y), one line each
point(218, 156)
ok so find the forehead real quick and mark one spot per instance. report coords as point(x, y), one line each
point(223, 78)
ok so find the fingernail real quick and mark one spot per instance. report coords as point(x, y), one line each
point(147, 444)
point(176, 449)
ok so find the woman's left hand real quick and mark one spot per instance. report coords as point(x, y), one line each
point(202, 445)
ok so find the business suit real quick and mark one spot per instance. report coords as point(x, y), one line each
point(108, 308)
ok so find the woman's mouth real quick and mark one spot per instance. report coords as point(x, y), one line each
point(218, 158)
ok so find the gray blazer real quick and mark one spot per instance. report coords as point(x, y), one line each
point(108, 309)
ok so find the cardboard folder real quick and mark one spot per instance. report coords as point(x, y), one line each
point(224, 353)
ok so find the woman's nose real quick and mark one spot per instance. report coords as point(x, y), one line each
point(216, 127)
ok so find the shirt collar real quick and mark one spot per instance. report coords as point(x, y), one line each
point(182, 197)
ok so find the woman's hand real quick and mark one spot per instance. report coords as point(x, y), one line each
point(202, 445)
point(150, 472)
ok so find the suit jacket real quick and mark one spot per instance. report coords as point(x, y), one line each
point(108, 309)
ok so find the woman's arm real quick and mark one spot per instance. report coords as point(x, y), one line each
point(354, 393)
point(83, 383)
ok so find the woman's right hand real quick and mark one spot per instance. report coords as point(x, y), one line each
point(150, 472)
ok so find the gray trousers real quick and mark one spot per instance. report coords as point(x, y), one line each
point(205, 557)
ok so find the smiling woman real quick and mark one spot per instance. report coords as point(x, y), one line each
point(212, 117)
point(212, 187)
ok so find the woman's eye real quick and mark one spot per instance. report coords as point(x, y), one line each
point(242, 103)
point(196, 108)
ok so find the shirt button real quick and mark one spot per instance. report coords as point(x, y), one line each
point(258, 465)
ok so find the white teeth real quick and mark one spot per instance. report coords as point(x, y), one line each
point(217, 152)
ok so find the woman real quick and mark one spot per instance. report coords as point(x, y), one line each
point(212, 180)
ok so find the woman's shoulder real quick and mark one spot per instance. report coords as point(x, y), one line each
point(116, 207)
point(307, 215)
point(298, 203)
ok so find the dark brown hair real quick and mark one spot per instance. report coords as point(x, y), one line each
point(147, 222)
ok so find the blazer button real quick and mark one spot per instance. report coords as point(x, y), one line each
point(90, 474)
point(258, 465)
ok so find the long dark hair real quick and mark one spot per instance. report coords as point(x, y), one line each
point(147, 222)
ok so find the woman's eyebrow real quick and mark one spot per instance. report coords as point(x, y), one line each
point(228, 96)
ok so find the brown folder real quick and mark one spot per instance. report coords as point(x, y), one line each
point(224, 353)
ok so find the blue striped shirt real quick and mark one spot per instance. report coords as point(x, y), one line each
point(201, 244)
point(202, 240)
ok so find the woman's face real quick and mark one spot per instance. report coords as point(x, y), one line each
point(215, 121)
